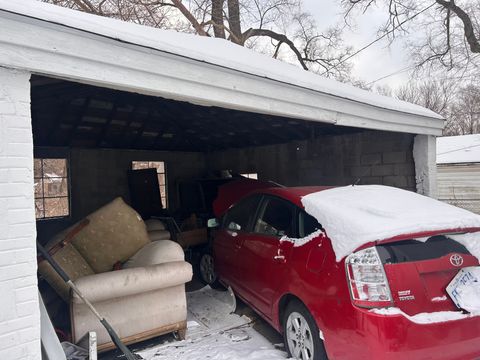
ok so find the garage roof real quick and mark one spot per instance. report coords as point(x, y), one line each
point(248, 80)
point(458, 149)
point(69, 114)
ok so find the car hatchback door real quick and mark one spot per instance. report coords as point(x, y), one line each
point(267, 255)
point(420, 271)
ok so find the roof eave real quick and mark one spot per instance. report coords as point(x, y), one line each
point(34, 45)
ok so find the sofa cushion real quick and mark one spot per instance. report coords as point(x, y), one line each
point(70, 261)
point(115, 233)
point(156, 252)
point(157, 235)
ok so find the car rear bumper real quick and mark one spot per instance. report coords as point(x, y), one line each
point(397, 337)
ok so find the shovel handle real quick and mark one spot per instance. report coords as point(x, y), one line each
point(113, 335)
point(52, 262)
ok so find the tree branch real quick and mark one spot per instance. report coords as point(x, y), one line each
point(468, 29)
point(279, 37)
point(86, 6)
point(224, 28)
point(188, 15)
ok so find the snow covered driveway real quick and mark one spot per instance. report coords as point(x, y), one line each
point(214, 332)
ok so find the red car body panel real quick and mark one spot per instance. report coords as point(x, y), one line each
point(248, 263)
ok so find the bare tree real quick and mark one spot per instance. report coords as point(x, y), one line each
point(465, 113)
point(432, 94)
point(441, 34)
point(384, 90)
point(277, 27)
point(460, 106)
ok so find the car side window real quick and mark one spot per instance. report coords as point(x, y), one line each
point(240, 216)
point(275, 218)
point(307, 224)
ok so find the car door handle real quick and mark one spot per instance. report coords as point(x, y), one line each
point(279, 257)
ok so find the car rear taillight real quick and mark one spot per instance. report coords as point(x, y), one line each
point(367, 280)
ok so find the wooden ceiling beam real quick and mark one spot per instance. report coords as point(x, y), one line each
point(78, 120)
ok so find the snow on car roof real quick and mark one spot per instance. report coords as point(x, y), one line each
point(458, 149)
point(353, 216)
point(209, 50)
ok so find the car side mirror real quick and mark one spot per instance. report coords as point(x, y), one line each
point(234, 226)
point(213, 223)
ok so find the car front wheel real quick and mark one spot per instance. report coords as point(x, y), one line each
point(302, 338)
point(207, 271)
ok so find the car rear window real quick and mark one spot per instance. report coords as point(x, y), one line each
point(414, 250)
point(307, 224)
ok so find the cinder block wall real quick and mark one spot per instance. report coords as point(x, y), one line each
point(19, 308)
point(97, 176)
point(374, 157)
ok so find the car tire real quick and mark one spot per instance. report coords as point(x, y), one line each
point(206, 271)
point(301, 334)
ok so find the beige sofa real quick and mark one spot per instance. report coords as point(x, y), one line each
point(144, 299)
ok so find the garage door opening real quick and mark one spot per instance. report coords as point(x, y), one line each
point(88, 140)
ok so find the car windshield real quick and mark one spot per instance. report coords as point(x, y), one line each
point(414, 250)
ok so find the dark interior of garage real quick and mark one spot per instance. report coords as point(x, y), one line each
point(101, 131)
point(87, 139)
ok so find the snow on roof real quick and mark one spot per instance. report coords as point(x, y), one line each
point(209, 50)
point(353, 216)
point(458, 149)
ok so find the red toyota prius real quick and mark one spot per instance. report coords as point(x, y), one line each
point(364, 272)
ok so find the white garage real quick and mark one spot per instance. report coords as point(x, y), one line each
point(100, 94)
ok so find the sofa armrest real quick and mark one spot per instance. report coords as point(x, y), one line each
point(125, 282)
point(156, 252)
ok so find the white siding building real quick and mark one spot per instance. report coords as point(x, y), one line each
point(458, 171)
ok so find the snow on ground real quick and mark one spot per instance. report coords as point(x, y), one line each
point(207, 49)
point(238, 344)
point(215, 333)
point(356, 215)
point(458, 149)
point(425, 318)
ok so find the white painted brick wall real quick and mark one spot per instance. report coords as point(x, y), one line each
point(425, 156)
point(19, 308)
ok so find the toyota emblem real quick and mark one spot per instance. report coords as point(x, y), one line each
point(456, 260)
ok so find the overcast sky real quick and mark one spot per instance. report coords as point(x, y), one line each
point(379, 59)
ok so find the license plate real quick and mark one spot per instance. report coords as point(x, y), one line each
point(465, 280)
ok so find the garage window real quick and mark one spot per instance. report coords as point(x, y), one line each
point(51, 188)
point(161, 173)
